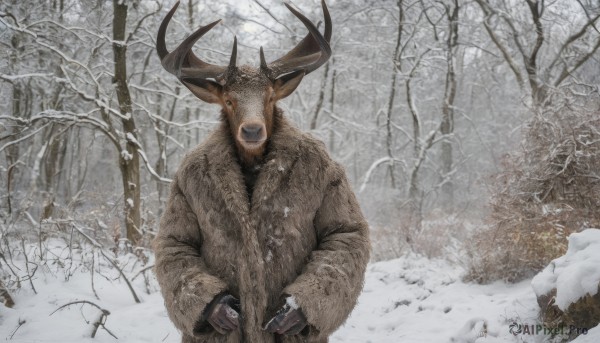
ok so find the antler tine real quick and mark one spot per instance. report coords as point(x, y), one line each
point(182, 62)
point(311, 53)
point(328, 26)
point(263, 62)
point(233, 60)
point(161, 46)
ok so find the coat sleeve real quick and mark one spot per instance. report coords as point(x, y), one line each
point(186, 283)
point(330, 283)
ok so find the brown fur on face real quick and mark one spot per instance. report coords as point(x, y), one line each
point(248, 100)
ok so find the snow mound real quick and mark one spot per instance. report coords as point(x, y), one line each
point(574, 275)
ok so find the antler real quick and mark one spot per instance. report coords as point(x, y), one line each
point(311, 53)
point(182, 62)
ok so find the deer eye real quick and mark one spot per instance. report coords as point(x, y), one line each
point(228, 103)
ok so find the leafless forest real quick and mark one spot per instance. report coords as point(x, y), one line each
point(454, 119)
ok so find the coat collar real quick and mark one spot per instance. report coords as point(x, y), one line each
point(225, 171)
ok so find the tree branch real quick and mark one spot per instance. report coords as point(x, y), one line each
point(507, 57)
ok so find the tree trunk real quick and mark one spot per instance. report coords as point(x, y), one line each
point(315, 117)
point(12, 152)
point(191, 14)
point(161, 166)
point(395, 68)
point(420, 148)
point(129, 160)
point(447, 125)
point(332, 106)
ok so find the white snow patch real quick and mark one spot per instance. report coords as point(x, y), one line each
point(281, 168)
point(132, 139)
point(575, 274)
point(473, 329)
point(286, 211)
point(291, 302)
point(592, 336)
point(102, 224)
point(130, 202)
point(269, 257)
point(126, 155)
point(231, 313)
point(414, 300)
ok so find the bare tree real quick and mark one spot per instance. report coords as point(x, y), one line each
point(450, 89)
point(539, 75)
point(129, 160)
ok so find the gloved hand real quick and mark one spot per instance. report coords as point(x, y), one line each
point(288, 320)
point(223, 313)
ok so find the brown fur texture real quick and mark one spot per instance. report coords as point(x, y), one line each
point(301, 233)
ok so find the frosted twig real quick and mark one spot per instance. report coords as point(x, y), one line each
point(92, 274)
point(16, 141)
point(21, 322)
point(135, 297)
point(29, 275)
point(79, 302)
point(96, 324)
point(98, 245)
point(142, 271)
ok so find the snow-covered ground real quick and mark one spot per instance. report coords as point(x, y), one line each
point(410, 299)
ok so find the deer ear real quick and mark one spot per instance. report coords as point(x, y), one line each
point(286, 84)
point(205, 90)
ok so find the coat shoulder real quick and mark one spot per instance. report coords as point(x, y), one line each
point(316, 151)
point(197, 160)
point(313, 147)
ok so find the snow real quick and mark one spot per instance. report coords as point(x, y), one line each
point(57, 285)
point(126, 155)
point(102, 224)
point(575, 274)
point(291, 302)
point(131, 138)
point(130, 202)
point(593, 336)
point(231, 313)
point(409, 299)
point(414, 299)
point(286, 211)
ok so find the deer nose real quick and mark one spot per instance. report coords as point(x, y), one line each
point(252, 132)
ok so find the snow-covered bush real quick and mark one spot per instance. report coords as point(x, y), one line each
point(35, 254)
point(547, 190)
point(67, 286)
point(567, 289)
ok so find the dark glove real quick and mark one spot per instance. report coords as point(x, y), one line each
point(223, 313)
point(288, 320)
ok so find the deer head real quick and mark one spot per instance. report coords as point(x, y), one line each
point(247, 95)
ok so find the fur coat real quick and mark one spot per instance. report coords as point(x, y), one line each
point(301, 233)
